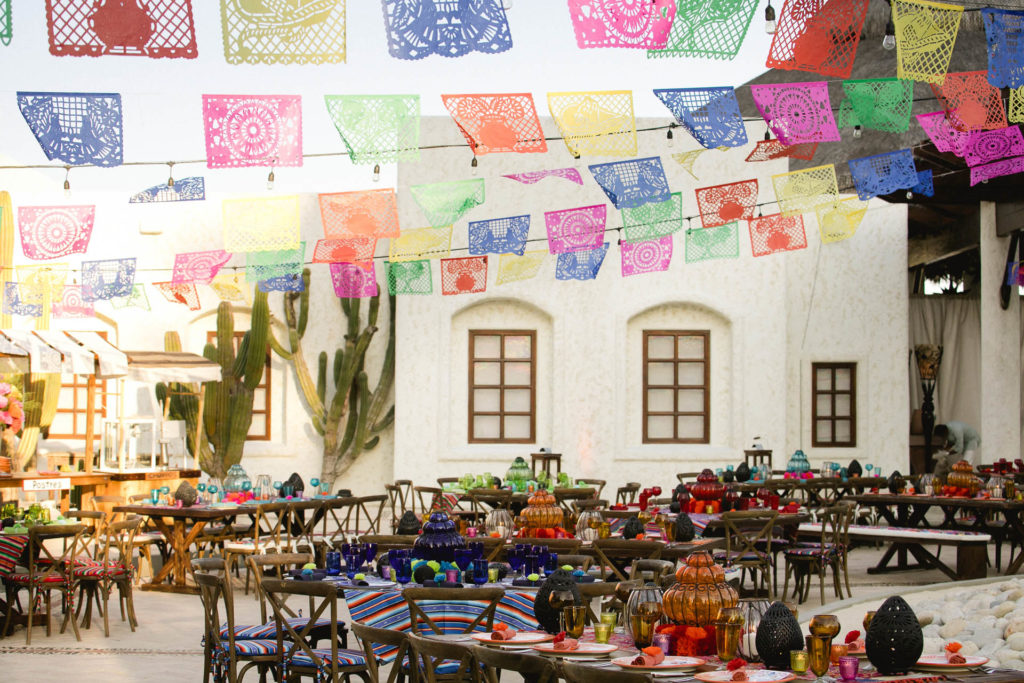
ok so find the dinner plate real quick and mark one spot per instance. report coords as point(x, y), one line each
point(521, 638)
point(584, 650)
point(668, 663)
point(938, 663)
point(753, 675)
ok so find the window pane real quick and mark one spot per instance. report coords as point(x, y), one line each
point(517, 401)
point(825, 431)
point(486, 400)
point(659, 427)
point(824, 402)
point(517, 374)
point(486, 426)
point(824, 379)
point(690, 426)
point(259, 399)
point(660, 374)
point(517, 427)
point(62, 424)
point(691, 374)
point(517, 347)
point(691, 347)
point(842, 404)
point(691, 401)
point(843, 431)
point(843, 379)
point(66, 401)
point(660, 346)
point(660, 401)
point(487, 346)
point(487, 373)
point(258, 426)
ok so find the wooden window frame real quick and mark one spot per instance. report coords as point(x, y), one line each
point(832, 393)
point(676, 387)
point(264, 384)
point(79, 414)
point(501, 386)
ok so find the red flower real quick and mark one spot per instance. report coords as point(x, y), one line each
point(852, 636)
point(737, 663)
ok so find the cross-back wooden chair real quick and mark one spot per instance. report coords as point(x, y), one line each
point(48, 571)
point(576, 560)
point(434, 660)
point(398, 502)
point(429, 499)
point(597, 590)
point(269, 533)
point(336, 521)
point(565, 497)
point(532, 668)
point(583, 673)
point(596, 484)
point(378, 640)
point(366, 513)
point(111, 568)
point(441, 481)
point(747, 534)
point(273, 566)
point(652, 570)
point(579, 506)
point(298, 656)
point(222, 650)
point(613, 554)
point(452, 610)
point(386, 542)
point(306, 519)
point(829, 552)
point(625, 495)
point(485, 500)
point(96, 525)
point(685, 477)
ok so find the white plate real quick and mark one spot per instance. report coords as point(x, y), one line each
point(753, 675)
point(521, 638)
point(584, 650)
point(939, 663)
point(669, 663)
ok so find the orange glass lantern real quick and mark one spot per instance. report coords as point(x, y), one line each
point(699, 593)
point(541, 513)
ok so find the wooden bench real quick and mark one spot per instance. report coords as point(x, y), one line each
point(971, 548)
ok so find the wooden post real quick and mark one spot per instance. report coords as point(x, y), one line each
point(90, 419)
point(199, 426)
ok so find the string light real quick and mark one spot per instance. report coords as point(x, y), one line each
point(767, 134)
point(170, 174)
point(270, 176)
point(889, 41)
point(669, 136)
point(473, 165)
point(376, 173)
point(857, 131)
point(769, 19)
point(67, 182)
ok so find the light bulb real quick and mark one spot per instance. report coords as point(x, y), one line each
point(270, 180)
point(473, 166)
point(170, 174)
point(857, 132)
point(668, 137)
point(767, 135)
point(67, 182)
point(889, 42)
point(376, 173)
point(769, 19)
point(910, 195)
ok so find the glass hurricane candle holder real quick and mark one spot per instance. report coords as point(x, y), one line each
point(818, 656)
point(798, 661)
point(848, 667)
point(602, 632)
point(826, 625)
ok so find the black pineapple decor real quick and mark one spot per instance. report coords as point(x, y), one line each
point(558, 581)
point(894, 640)
point(777, 635)
point(684, 531)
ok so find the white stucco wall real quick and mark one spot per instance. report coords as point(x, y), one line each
point(755, 308)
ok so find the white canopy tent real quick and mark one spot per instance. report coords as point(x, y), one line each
point(90, 355)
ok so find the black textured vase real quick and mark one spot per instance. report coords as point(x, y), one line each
point(777, 635)
point(728, 477)
point(743, 472)
point(186, 494)
point(297, 484)
point(684, 531)
point(894, 640)
point(547, 616)
point(896, 482)
point(854, 470)
point(632, 528)
point(408, 524)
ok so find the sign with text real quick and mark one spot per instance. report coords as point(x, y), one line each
point(55, 484)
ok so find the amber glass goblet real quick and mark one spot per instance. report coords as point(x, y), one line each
point(867, 620)
point(730, 615)
point(727, 639)
point(818, 652)
point(824, 625)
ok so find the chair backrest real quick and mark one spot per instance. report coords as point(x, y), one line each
point(429, 653)
point(277, 563)
point(447, 610)
point(484, 500)
point(337, 520)
point(118, 544)
point(397, 502)
point(96, 524)
point(532, 668)
point(429, 499)
point(377, 640)
point(560, 545)
point(441, 481)
point(386, 542)
point(835, 525)
point(607, 550)
point(627, 494)
point(651, 570)
point(293, 638)
point(215, 591)
point(597, 484)
point(106, 504)
point(43, 561)
point(271, 525)
point(492, 546)
point(372, 508)
point(575, 560)
point(684, 477)
point(305, 517)
point(579, 506)
point(583, 673)
point(743, 530)
point(208, 564)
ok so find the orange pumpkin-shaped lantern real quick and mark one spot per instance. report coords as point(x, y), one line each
point(699, 593)
point(541, 512)
point(962, 477)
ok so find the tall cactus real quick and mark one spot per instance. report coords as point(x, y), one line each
point(41, 393)
point(352, 418)
point(227, 413)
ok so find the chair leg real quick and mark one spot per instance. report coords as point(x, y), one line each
point(785, 585)
point(846, 573)
point(31, 602)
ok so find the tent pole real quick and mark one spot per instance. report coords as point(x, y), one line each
point(90, 418)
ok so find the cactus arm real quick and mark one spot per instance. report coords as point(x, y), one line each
point(339, 362)
point(385, 422)
point(321, 376)
point(387, 375)
point(303, 304)
point(277, 348)
point(238, 368)
point(256, 356)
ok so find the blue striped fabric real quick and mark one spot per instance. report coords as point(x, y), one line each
point(254, 648)
point(345, 658)
point(269, 629)
point(387, 609)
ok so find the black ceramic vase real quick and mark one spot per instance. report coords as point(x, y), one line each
point(684, 530)
point(743, 472)
point(777, 635)
point(408, 524)
point(298, 486)
point(854, 470)
point(632, 528)
point(894, 641)
point(896, 482)
point(438, 540)
point(559, 581)
point(728, 477)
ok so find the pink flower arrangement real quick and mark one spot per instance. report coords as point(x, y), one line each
point(238, 497)
point(12, 412)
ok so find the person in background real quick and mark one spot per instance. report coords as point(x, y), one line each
point(960, 441)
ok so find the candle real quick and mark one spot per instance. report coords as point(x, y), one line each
point(848, 668)
point(602, 632)
point(664, 641)
point(798, 661)
point(749, 645)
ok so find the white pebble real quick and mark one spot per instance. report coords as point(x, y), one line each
point(931, 631)
point(989, 649)
point(1015, 626)
point(1016, 641)
point(933, 646)
point(969, 648)
point(952, 628)
point(1003, 609)
point(925, 618)
point(1006, 656)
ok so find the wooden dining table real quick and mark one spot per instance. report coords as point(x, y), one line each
point(180, 528)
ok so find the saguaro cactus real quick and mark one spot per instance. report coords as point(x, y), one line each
point(352, 418)
point(227, 413)
point(40, 395)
